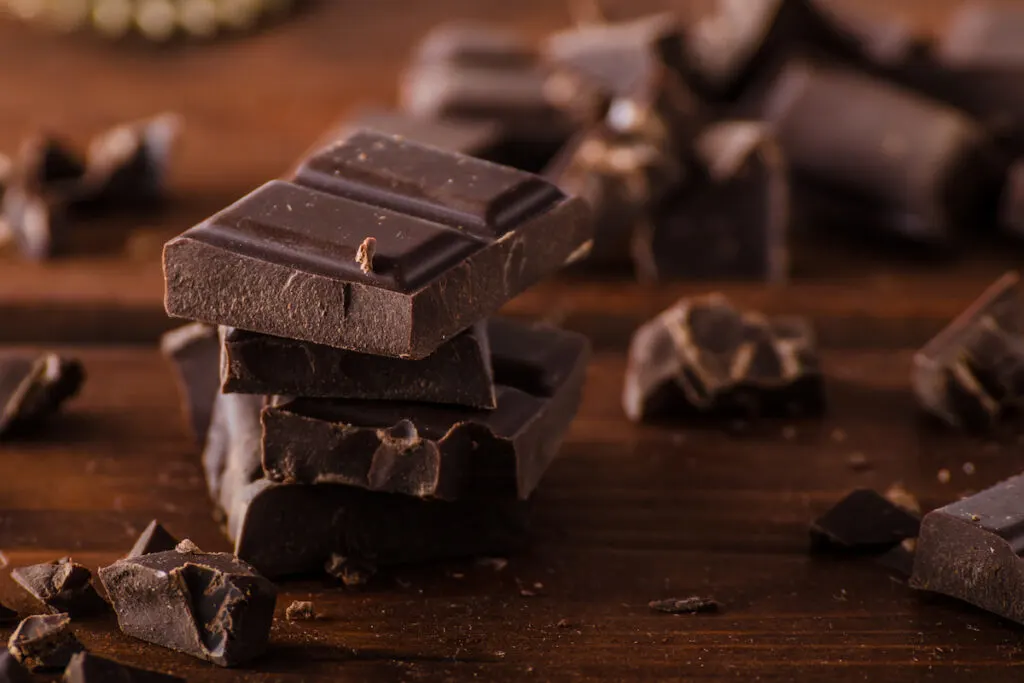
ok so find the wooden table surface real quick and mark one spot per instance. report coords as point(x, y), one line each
point(627, 514)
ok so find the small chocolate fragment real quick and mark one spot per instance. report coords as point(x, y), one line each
point(350, 573)
point(692, 605)
point(300, 610)
point(33, 386)
point(210, 605)
point(11, 671)
point(89, 668)
point(127, 165)
point(970, 374)
point(733, 221)
point(704, 356)
point(1011, 214)
point(7, 615)
point(456, 238)
point(473, 43)
point(154, 539)
point(44, 642)
point(458, 372)
point(194, 352)
point(435, 451)
point(62, 587)
point(364, 254)
point(864, 520)
point(970, 550)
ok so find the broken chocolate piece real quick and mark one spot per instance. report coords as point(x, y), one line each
point(704, 356)
point(970, 550)
point(44, 642)
point(364, 254)
point(89, 668)
point(435, 451)
point(300, 610)
point(733, 221)
point(692, 605)
point(864, 520)
point(458, 372)
point(194, 352)
point(11, 671)
point(7, 615)
point(127, 165)
point(472, 43)
point(154, 539)
point(33, 386)
point(456, 238)
point(210, 605)
point(969, 374)
point(62, 586)
point(350, 573)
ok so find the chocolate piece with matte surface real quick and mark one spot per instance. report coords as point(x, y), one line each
point(33, 386)
point(153, 539)
point(931, 165)
point(704, 356)
point(971, 549)
point(127, 165)
point(435, 451)
point(210, 605)
point(458, 372)
point(44, 642)
point(864, 520)
point(61, 586)
point(194, 353)
point(972, 372)
point(85, 667)
point(11, 671)
point(455, 239)
point(733, 221)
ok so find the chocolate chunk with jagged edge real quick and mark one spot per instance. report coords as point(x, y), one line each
point(61, 586)
point(11, 671)
point(210, 605)
point(44, 642)
point(458, 372)
point(971, 550)
point(154, 539)
point(85, 667)
point(7, 615)
point(194, 353)
point(933, 169)
point(731, 221)
point(436, 451)
point(33, 386)
point(864, 520)
point(474, 43)
point(127, 165)
point(704, 356)
point(456, 238)
point(972, 372)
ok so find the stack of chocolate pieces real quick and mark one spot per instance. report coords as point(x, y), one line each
point(371, 413)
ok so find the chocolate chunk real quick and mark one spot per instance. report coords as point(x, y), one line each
point(456, 238)
point(210, 605)
point(864, 520)
point(154, 539)
point(435, 451)
point(474, 43)
point(33, 386)
point(194, 353)
point(458, 372)
point(1011, 215)
point(300, 610)
point(704, 356)
point(61, 586)
point(932, 167)
point(89, 668)
point(349, 572)
point(11, 671)
point(692, 605)
point(970, 374)
point(7, 615)
point(44, 642)
point(971, 549)
point(127, 165)
point(732, 221)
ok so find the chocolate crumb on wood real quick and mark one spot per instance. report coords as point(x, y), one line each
point(691, 605)
point(300, 610)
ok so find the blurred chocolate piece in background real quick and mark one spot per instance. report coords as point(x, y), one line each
point(33, 386)
point(194, 353)
point(127, 165)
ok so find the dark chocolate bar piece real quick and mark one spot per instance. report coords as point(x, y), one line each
point(7, 615)
point(61, 586)
point(864, 520)
point(153, 539)
point(194, 353)
point(704, 356)
point(89, 668)
point(733, 221)
point(474, 43)
point(929, 163)
point(44, 642)
point(33, 386)
point(971, 549)
point(127, 165)
point(1011, 213)
point(456, 238)
point(435, 451)
point(11, 671)
point(973, 371)
point(210, 605)
point(458, 372)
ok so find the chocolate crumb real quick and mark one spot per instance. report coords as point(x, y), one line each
point(692, 605)
point(349, 573)
point(897, 495)
point(300, 610)
point(968, 468)
point(187, 547)
point(943, 476)
point(364, 255)
point(858, 462)
point(495, 563)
